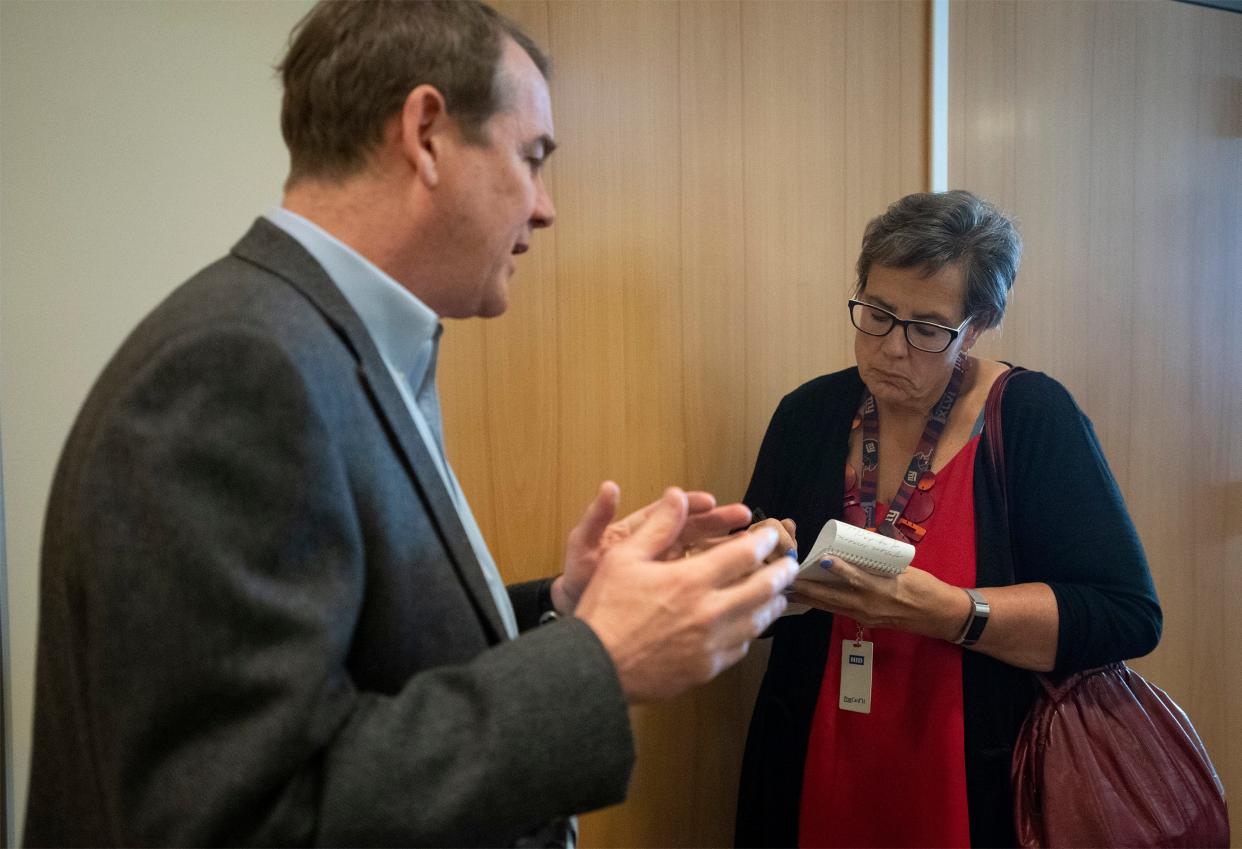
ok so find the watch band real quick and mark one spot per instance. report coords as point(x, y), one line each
point(979, 612)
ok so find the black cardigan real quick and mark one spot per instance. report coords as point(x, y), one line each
point(1070, 529)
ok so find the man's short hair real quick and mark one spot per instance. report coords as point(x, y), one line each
point(352, 63)
point(931, 230)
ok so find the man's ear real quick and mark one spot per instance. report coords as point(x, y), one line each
point(423, 124)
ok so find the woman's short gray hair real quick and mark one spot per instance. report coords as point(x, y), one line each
point(935, 229)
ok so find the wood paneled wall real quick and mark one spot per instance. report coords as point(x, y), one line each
point(718, 163)
point(1113, 130)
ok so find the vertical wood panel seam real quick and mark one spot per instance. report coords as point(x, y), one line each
point(1016, 116)
point(741, 130)
point(1092, 34)
point(1133, 213)
point(686, 357)
point(843, 165)
point(492, 516)
point(693, 754)
point(968, 138)
point(558, 488)
point(1198, 401)
point(1134, 238)
point(747, 351)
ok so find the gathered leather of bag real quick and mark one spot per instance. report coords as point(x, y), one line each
point(1105, 758)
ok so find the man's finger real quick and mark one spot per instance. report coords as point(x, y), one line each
point(728, 658)
point(716, 522)
point(730, 561)
point(745, 597)
point(700, 502)
point(748, 624)
point(599, 513)
point(633, 520)
point(763, 618)
point(658, 525)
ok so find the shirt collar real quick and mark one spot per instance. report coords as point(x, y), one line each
point(403, 328)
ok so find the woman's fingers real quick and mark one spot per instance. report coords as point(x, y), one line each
point(785, 541)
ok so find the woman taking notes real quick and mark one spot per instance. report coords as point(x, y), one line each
point(888, 712)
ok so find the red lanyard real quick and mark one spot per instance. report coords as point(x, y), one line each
point(920, 463)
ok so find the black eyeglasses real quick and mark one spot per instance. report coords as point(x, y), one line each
point(924, 335)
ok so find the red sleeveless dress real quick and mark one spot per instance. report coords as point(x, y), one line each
point(897, 776)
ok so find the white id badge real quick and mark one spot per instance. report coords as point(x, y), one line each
point(856, 676)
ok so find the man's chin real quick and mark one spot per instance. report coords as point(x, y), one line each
point(493, 307)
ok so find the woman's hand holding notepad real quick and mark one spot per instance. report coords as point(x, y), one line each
point(867, 550)
point(872, 552)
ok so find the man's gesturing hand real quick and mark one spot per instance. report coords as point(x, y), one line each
point(596, 533)
point(672, 625)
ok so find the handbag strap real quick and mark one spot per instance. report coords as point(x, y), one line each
point(1056, 690)
point(995, 439)
point(995, 433)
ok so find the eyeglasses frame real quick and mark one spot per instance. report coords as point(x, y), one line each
point(905, 326)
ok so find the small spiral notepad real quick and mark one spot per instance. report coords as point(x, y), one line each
point(867, 550)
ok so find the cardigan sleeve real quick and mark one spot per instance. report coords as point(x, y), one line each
point(1071, 529)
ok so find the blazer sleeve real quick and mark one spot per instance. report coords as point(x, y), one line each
point(225, 574)
point(1071, 528)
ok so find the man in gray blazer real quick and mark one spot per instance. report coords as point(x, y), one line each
point(268, 616)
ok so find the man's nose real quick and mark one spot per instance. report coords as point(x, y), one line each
point(545, 212)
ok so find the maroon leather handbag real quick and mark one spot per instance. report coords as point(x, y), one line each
point(1106, 758)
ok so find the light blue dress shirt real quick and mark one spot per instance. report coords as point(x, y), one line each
point(407, 333)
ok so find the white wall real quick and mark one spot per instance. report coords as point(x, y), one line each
point(137, 142)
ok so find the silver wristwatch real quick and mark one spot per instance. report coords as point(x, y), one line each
point(979, 612)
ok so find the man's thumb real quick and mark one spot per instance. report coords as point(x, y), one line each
point(661, 526)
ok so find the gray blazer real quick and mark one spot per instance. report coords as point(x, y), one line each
point(261, 619)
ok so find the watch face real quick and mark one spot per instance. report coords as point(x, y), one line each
point(977, 622)
point(978, 618)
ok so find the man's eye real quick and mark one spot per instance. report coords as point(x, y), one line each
point(925, 330)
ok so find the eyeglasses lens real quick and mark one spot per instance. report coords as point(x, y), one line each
point(928, 337)
point(877, 322)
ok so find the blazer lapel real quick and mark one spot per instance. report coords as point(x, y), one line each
point(268, 246)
